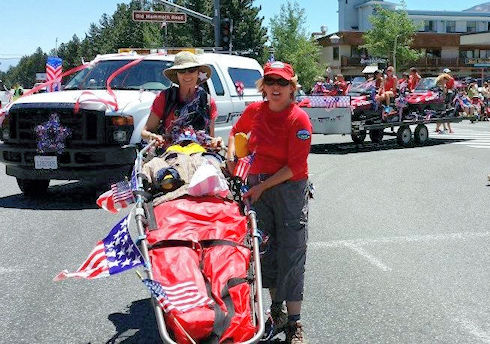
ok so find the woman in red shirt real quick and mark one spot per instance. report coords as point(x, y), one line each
point(187, 105)
point(280, 139)
point(390, 85)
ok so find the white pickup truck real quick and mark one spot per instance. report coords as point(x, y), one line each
point(103, 141)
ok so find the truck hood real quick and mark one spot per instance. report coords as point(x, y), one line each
point(124, 98)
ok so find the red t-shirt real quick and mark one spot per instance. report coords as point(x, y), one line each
point(450, 84)
point(390, 84)
point(158, 107)
point(278, 138)
point(413, 80)
point(342, 85)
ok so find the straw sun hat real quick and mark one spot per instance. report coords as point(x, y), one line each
point(184, 60)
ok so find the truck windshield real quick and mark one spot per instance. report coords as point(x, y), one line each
point(147, 75)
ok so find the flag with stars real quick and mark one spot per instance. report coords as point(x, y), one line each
point(114, 254)
point(181, 297)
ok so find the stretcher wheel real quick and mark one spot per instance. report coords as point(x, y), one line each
point(376, 135)
point(404, 136)
point(421, 134)
point(358, 137)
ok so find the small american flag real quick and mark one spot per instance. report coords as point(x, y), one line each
point(53, 72)
point(113, 254)
point(271, 58)
point(243, 166)
point(181, 297)
point(122, 191)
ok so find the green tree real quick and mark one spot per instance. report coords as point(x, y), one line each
point(292, 44)
point(391, 36)
point(25, 72)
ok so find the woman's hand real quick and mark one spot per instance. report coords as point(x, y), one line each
point(216, 142)
point(160, 141)
point(230, 164)
point(254, 193)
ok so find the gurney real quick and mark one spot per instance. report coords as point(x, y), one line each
point(209, 245)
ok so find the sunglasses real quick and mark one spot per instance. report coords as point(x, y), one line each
point(187, 70)
point(272, 81)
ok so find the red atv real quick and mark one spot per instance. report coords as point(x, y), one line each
point(426, 100)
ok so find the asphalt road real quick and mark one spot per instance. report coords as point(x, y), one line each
point(399, 251)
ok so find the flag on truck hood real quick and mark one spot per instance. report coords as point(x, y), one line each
point(114, 254)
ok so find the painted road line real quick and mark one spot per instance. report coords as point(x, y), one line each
point(373, 260)
point(475, 331)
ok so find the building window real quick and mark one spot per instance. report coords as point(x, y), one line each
point(471, 26)
point(335, 53)
point(429, 26)
point(433, 53)
point(358, 52)
point(451, 26)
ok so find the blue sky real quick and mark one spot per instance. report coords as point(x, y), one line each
point(28, 24)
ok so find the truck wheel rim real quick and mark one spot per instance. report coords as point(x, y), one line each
point(406, 135)
point(423, 135)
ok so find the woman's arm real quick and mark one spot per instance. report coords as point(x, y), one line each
point(148, 129)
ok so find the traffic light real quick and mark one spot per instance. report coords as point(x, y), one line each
point(226, 29)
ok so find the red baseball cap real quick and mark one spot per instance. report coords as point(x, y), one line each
point(280, 69)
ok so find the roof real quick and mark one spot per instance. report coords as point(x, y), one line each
point(447, 13)
point(375, 2)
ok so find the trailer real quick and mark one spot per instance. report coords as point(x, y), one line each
point(333, 115)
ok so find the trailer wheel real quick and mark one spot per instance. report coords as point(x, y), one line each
point(376, 135)
point(33, 187)
point(404, 136)
point(358, 137)
point(421, 134)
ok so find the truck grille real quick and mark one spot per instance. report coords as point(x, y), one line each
point(87, 126)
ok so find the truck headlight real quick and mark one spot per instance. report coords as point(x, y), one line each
point(119, 129)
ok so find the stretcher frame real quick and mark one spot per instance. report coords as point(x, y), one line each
point(256, 301)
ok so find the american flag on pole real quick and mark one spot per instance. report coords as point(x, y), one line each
point(113, 254)
point(53, 72)
point(120, 196)
point(181, 297)
point(243, 166)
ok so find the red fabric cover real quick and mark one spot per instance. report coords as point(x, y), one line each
point(360, 102)
point(196, 219)
point(424, 98)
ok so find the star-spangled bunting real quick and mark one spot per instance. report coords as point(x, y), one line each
point(329, 102)
point(113, 254)
point(181, 297)
point(53, 72)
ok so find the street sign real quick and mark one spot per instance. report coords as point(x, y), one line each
point(155, 16)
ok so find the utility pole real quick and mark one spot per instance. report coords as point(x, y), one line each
point(217, 22)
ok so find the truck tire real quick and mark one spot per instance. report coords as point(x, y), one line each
point(404, 136)
point(33, 187)
point(421, 134)
point(376, 135)
point(358, 137)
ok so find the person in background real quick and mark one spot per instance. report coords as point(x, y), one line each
point(182, 106)
point(341, 84)
point(413, 79)
point(403, 81)
point(280, 139)
point(389, 85)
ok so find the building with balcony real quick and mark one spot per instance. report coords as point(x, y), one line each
point(457, 40)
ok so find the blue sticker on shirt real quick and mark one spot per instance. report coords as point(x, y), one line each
point(303, 134)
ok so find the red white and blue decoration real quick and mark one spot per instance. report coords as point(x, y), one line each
point(181, 297)
point(114, 254)
point(243, 166)
point(240, 87)
point(120, 196)
point(51, 136)
point(329, 102)
point(53, 73)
